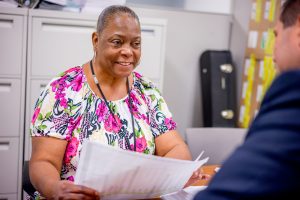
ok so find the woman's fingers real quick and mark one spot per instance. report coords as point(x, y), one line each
point(68, 190)
point(205, 177)
point(75, 196)
point(195, 174)
point(85, 190)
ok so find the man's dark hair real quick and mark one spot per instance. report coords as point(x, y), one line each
point(290, 12)
point(109, 12)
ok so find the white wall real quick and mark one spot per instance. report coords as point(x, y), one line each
point(239, 36)
point(208, 6)
point(212, 6)
point(188, 35)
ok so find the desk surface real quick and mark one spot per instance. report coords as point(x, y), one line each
point(208, 169)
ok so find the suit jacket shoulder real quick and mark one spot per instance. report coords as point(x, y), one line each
point(267, 165)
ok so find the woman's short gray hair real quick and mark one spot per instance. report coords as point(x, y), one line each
point(109, 12)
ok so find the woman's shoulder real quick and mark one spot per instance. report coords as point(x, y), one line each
point(71, 73)
point(144, 83)
point(145, 86)
point(68, 75)
point(71, 79)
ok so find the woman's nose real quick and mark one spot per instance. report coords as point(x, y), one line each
point(127, 51)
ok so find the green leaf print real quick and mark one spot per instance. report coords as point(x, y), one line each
point(152, 97)
point(61, 74)
point(67, 111)
point(90, 99)
point(42, 127)
point(157, 90)
point(73, 107)
point(48, 115)
point(137, 133)
point(39, 104)
point(40, 117)
point(146, 151)
point(150, 144)
point(160, 101)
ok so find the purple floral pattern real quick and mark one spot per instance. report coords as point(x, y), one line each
point(68, 109)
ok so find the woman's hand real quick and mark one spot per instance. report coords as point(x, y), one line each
point(68, 190)
point(197, 175)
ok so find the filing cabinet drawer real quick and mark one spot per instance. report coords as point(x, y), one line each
point(9, 150)
point(75, 45)
point(11, 30)
point(8, 196)
point(10, 95)
point(152, 51)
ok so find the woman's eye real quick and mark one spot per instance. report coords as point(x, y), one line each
point(116, 42)
point(137, 44)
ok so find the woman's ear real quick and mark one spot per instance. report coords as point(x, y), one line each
point(95, 40)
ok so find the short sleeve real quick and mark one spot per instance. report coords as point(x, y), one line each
point(51, 116)
point(161, 120)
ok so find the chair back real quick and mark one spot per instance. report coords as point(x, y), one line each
point(26, 184)
point(217, 143)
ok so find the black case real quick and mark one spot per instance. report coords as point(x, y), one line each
point(218, 89)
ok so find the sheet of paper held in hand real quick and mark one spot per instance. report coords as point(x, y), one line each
point(119, 174)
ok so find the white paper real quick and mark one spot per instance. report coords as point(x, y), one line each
point(252, 40)
point(242, 113)
point(259, 93)
point(119, 174)
point(59, 2)
point(245, 86)
point(247, 65)
point(261, 69)
point(253, 11)
point(267, 10)
point(184, 194)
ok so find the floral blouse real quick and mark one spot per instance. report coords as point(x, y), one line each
point(68, 109)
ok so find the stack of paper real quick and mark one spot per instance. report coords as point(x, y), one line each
point(119, 174)
point(184, 194)
point(59, 2)
point(66, 5)
point(96, 6)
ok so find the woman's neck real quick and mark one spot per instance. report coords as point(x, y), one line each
point(107, 79)
point(114, 88)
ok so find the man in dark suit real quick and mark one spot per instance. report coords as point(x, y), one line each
point(267, 165)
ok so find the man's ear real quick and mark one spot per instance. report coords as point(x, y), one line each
point(298, 31)
point(95, 39)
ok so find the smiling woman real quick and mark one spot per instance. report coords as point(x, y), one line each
point(103, 100)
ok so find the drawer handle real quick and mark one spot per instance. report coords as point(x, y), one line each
point(149, 32)
point(6, 23)
point(4, 146)
point(46, 26)
point(42, 86)
point(5, 87)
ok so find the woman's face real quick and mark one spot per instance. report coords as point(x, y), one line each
point(118, 46)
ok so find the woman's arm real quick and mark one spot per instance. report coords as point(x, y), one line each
point(45, 163)
point(44, 171)
point(171, 145)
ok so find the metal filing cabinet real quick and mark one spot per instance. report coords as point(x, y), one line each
point(13, 35)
